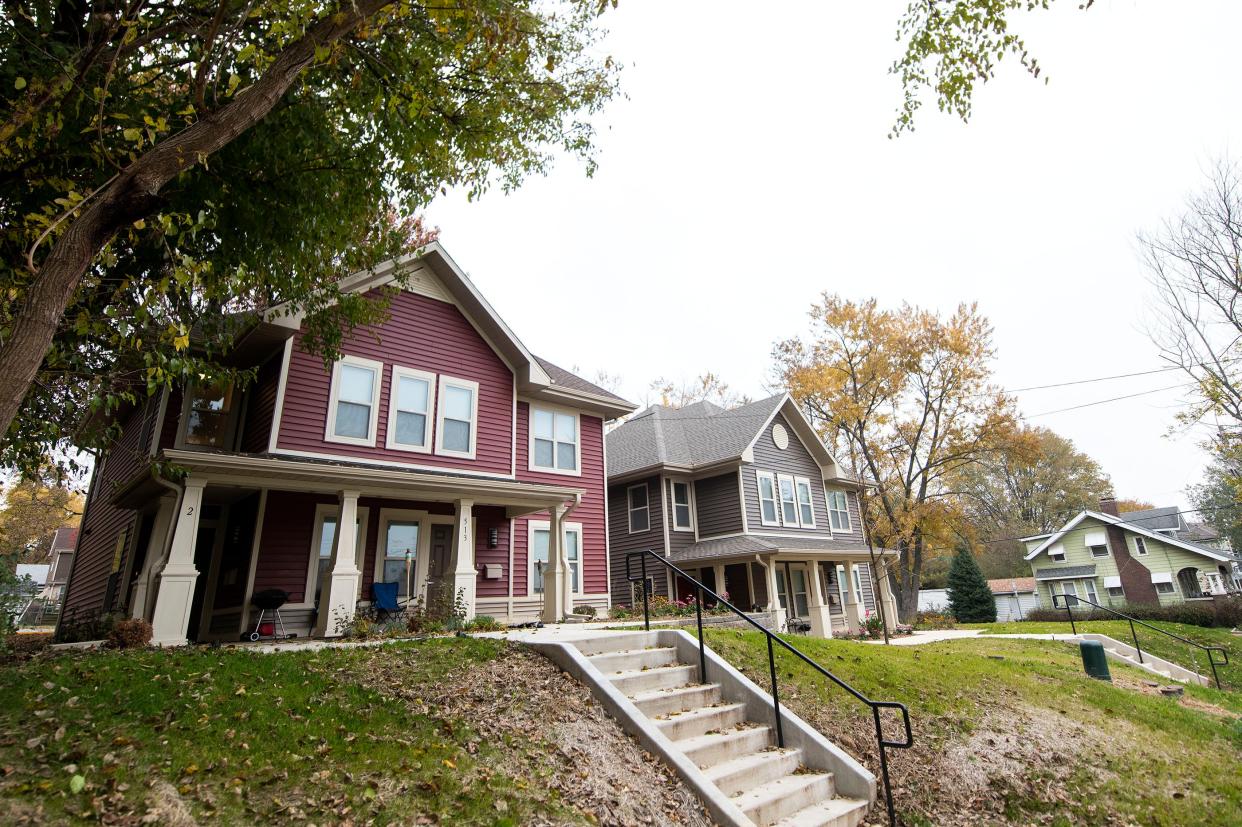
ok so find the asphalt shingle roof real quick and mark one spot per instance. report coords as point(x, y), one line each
point(1009, 585)
point(697, 435)
point(1154, 519)
point(1065, 571)
point(573, 381)
point(750, 544)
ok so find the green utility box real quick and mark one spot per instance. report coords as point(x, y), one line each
point(1094, 660)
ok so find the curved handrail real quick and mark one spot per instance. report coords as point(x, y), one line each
point(773, 638)
point(1206, 648)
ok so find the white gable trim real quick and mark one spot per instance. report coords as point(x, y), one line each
point(1126, 526)
point(803, 428)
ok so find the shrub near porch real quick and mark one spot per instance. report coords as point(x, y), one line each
point(458, 730)
point(1020, 740)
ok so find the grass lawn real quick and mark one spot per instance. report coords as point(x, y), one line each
point(1012, 732)
point(1149, 641)
point(368, 735)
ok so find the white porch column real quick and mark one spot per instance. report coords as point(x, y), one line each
point(138, 603)
point(174, 592)
point(464, 573)
point(821, 616)
point(338, 595)
point(554, 574)
point(774, 600)
point(852, 609)
point(719, 571)
point(886, 595)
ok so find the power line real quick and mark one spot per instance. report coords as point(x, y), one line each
point(1118, 376)
point(1111, 399)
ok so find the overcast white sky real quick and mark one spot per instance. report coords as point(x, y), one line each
point(748, 170)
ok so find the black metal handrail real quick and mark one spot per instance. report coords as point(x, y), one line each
point(1134, 635)
point(773, 639)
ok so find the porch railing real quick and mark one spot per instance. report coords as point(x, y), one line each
point(1071, 600)
point(773, 641)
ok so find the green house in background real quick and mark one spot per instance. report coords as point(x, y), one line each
point(1148, 557)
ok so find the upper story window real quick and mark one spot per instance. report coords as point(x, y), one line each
point(1057, 553)
point(1140, 545)
point(681, 506)
point(806, 510)
point(412, 399)
point(767, 498)
point(789, 502)
point(838, 511)
point(459, 411)
point(639, 509)
point(353, 406)
point(554, 441)
point(209, 415)
point(1099, 551)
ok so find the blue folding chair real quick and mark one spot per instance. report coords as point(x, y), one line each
point(384, 599)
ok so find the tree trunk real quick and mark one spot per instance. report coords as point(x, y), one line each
point(135, 193)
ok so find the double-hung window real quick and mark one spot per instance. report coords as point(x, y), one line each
point(806, 508)
point(353, 405)
point(554, 441)
point(789, 501)
point(767, 498)
point(540, 542)
point(858, 590)
point(838, 511)
point(681, 506)
point(639, 510)
point(324, 539)
point(1140, 546)
point(413, 398)
point(210, 412)
point(459, 412)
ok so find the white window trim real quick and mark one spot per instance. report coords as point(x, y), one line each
point(404, 515)
point(329, 431)
point(673, 483)
point(1140, 546)
point(849, 522)
point(780, 501)
point(1092, 549)
point(530, 438)
point(230, 429)
point(858, 591)
point(810, 493)
point(453, 382)
point(544, 525)
point(322, 511)
point(776, 497)
point(630, 509)
point(394, 385)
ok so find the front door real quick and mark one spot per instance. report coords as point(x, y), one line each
point(439, 559)
point(791, 590)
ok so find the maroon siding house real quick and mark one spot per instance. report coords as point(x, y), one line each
point(437, 453)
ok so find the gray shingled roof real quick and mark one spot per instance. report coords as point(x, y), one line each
point(566, 379)
point(697, 435)
point(1065, 571)
point(1154, 519)
point(750, 544)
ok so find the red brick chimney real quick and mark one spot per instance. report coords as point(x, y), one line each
point(1135, 577)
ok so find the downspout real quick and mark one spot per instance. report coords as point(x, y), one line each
point(767, 583)
point(165, 546)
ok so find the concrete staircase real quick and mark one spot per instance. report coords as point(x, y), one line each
point(1159, 667)
point(724, 730)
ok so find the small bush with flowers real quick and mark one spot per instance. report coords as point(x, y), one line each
point(660, 606)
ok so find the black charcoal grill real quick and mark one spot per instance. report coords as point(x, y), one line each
point(268, 602)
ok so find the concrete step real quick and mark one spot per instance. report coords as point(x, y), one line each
point(700, 721)
point(717, 747)
point(678, 699)
point(770, 802)
point(628, 660)
point(746, 772)
point(615, 643)
point(660, 677)
point(835, 812)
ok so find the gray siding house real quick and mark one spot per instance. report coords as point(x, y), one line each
point(750, 502)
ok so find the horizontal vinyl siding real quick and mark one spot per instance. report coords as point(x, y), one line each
point(172, 419)
point(795, 460)
point(104, 522)
point(589, 512)
point(284, 551)
point(718, 505)
point(623, 541)
point(423, 334)
point(677, 539)
point(260, 406)
point(486, 518)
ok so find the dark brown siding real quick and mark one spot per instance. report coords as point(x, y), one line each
point(424, 334)
point(104, 522)
point(719, 506)
point(623, 541)
point(172, 419)
point(260, 406)
point(589, 512)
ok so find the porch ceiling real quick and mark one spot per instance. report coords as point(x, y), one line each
point(256, 471)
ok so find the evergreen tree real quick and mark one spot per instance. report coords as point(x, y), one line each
point(970, 599)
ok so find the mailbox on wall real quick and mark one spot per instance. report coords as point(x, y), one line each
point(493, 571)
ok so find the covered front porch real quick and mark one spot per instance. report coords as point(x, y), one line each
point(238, 525)
point(823, 592)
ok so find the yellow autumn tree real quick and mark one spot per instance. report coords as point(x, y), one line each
point(906, 399)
